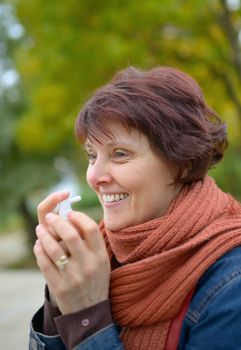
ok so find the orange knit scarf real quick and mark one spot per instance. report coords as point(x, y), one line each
point(162, 260)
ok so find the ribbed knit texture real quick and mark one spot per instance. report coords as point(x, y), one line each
point(162, 260)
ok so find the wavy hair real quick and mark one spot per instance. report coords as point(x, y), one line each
point(168, 106)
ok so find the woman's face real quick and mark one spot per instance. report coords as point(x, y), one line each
point(130, 180)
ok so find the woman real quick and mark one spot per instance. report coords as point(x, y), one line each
point(167, 252)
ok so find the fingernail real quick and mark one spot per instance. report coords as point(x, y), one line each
point(38, 228)
point(69, 214)
point(49, 216)
point(64, 193)
point(37, 245)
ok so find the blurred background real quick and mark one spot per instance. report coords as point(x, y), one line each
point(53, 54)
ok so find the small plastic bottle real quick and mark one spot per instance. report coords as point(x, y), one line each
point(65, 206)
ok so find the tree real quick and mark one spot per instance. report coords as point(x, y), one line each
point(20, 172)
point(70, 48)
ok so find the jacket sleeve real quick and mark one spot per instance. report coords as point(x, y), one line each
point(106, 339)
point(39, 341)
point(213, 320)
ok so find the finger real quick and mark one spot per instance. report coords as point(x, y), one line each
point(49, 270)
point(69, 235)
point(51, 231)
point(49, 204)
point(52, 248)
point(89, 230)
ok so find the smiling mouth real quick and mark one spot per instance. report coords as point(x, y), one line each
point(111, 198)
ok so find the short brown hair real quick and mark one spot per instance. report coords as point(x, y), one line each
point(166, 105)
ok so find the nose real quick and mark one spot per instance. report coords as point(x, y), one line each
point(98, 174)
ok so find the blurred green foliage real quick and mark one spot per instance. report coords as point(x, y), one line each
point(71, 47)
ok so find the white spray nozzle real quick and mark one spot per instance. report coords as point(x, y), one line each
point(75, 199)
point(65, 206)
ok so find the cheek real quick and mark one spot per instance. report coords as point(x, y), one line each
point(128, 180)
point(90, 177)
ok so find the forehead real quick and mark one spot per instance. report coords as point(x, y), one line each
point(115, 132)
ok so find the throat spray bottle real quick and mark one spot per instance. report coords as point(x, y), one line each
point(65, 206)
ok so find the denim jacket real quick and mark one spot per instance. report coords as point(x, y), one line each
point(212, 322)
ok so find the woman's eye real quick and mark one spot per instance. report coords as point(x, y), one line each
point(120, 154)
point(91, 157)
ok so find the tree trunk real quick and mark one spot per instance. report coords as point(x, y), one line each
point(30, 223)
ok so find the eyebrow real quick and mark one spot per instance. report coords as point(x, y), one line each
point(89, 145)
point(113, 143)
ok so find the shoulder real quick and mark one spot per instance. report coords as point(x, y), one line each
point(224, 274)
point(215, 309)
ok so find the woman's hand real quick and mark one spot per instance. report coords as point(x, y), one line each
point(85, 279)
point(46, 206)
point(49, 204)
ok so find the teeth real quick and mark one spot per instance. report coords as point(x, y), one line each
point(110, 198)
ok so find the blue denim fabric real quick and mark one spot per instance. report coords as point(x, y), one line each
point(212, 322)
point(39, 341)
point(213, 319)
point(107, 339)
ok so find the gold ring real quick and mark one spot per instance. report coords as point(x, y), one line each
point(62, 262)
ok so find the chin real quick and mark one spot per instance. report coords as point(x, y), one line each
point(113, 225)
